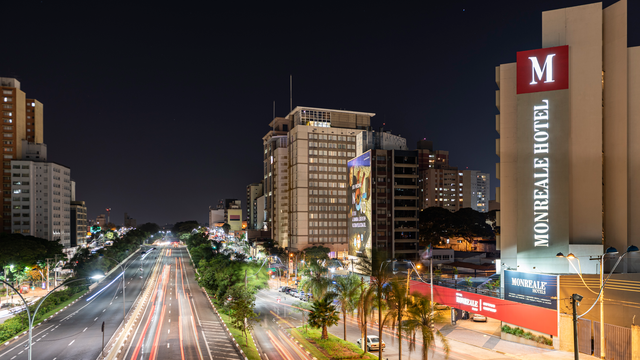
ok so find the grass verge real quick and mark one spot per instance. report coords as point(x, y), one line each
point(250, 351)
point(332, 348)
point(62, 305)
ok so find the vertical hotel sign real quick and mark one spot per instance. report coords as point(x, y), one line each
point(543, 129)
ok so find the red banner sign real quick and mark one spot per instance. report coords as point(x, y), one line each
point(527, 316)
point(543, 69)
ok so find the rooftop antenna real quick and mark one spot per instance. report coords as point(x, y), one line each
point(290, 93)
point(274, 116)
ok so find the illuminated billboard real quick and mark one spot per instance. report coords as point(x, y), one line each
point(360, 206)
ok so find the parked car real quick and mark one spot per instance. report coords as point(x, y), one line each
point(373, 343)
point(478, 317)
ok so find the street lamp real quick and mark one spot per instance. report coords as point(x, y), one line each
point(124, 313)
point(600, 298)
point(26, 305)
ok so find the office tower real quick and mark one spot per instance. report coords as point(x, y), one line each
point(41, 200)
point(254, 191)
point(320, 143)
point(276, 181)
point(441, 185)
point(21, 120)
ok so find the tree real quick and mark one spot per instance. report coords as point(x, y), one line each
point(420, 319)
point(315, 253)
point(347, 291)
point(241, 311)
point(184, 227)
point(434, 224)
point(324, 314)
point(314, 279)
point(226, 228)
point(397, 301)
point(469, 224)
point(365, 310)
point(150, 228)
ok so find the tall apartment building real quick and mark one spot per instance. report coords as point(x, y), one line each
point(254, 191)
point(41, 200)
point(445, 186)
point(383, 188)
point(320, 142)
point(475, 193)
point(441, 185)
point(79, 223)
point(21, 120)
point(276, 181)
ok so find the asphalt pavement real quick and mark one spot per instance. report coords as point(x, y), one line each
point(267, 305)
point(178, 322)
point(75, 333)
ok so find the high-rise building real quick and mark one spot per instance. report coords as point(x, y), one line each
point(475, 191)
point(21, 120)
point(383, 198)
point(254, 191)
point(78, 223)
point(441, 185)
point(445, 186)
point(276, 181)
point(101, 220)
point(381, 140)
point(320, 142)
point(129, 222)
point(569, 156)
point(41, 200)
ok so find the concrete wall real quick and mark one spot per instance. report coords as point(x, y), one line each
point(633, 195)
point(565, 338)
point(635, 342)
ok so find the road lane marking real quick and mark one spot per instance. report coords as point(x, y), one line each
point(104, 310)
point(85, 329)
point(167, 345)
point(95, 319)
point(71, 343)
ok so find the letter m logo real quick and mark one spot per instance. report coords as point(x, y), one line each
point(543, 70)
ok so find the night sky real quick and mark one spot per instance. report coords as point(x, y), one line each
point(160, 109)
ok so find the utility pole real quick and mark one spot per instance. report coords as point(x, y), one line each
point(48, 273)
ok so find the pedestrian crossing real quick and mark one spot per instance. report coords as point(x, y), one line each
point(219, 341)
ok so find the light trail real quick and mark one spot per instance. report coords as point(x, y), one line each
point(165, 281)
point(279, 347)
point(295, 347)
point(179, 313)
point(104, 288)
point(146, 327)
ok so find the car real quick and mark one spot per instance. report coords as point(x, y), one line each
point(282, 289)
point(373, 343)
point(478, 318)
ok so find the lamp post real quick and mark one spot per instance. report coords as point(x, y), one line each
point(32, 318)
point(124, 313)
point(575, 298)
point(600, 299)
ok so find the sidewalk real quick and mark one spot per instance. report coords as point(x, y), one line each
point(515, 350)
point(31, 297)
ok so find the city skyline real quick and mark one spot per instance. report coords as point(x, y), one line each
point(168, 100)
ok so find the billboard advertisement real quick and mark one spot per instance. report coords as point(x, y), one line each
point(359, 221)
point(533, 289)
point(527, 316)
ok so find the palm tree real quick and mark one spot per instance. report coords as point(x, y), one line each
point(315, 280)
point(419, 318)
point(397, 301)
point(365, 307)
point(347, 289)
point(323, 314)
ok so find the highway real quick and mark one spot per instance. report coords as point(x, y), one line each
point(178, 322)
point(288, 316)
point(75, 333)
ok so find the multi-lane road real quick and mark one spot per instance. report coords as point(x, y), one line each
point(178, 321)
point(277, 346)
point(75, 333)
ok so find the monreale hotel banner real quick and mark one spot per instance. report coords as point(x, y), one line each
point(533, 289)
